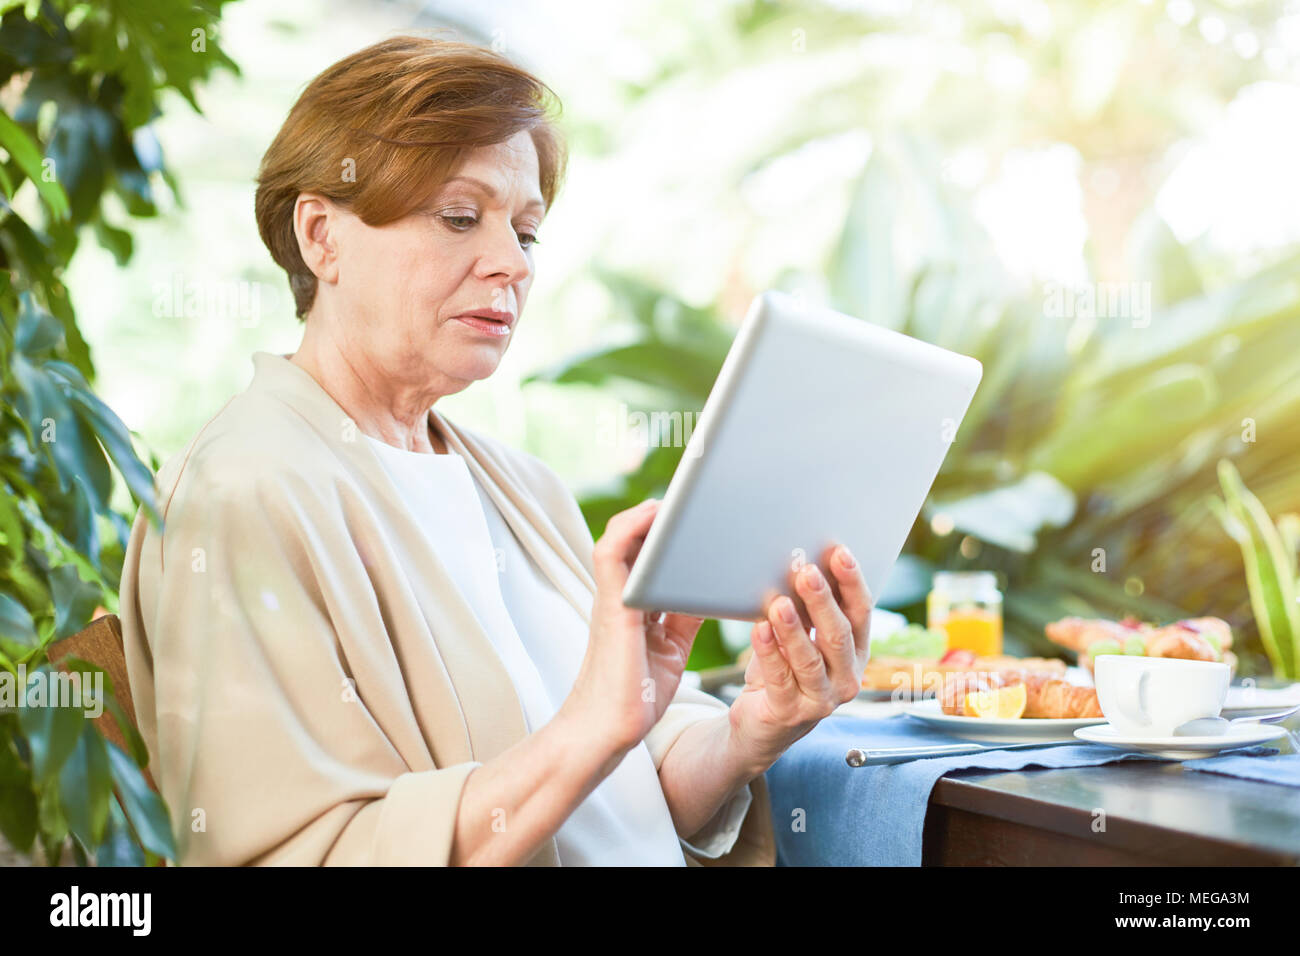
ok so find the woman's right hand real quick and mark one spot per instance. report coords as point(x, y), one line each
point(634, 659)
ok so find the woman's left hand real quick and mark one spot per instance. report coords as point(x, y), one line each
point(792, 681)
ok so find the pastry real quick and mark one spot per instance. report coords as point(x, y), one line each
point(1193, 639)
point(1046, 696)
point(913, 675)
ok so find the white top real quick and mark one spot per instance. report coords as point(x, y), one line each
point(541, 641)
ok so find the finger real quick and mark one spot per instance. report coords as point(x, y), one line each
point(792, 590)
point(672, 649)
point(770, 595)
point(615, 552)
point(753, 667)
point(805, 660)
point(834, 633)
point(853, 596)
point(778, 680)
point(681, 629)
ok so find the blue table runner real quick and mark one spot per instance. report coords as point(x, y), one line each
point(826, 813)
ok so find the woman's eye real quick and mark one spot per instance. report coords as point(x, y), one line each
point(463, 223)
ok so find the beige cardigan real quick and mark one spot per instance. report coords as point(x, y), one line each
point(311, 687)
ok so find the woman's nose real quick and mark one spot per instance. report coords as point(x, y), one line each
point(503, 255)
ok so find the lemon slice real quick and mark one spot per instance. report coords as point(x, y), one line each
point(1006, 703)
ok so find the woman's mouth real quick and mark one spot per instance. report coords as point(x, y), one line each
point(489, 323)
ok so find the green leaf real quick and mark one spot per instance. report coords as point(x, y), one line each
point(866, 281)
point(1164, 261)
point(115, 240)
point(1012, 516)
point(74, 601)
point(38, 331)
point(92, 673)
point(42, 405)
point(144, 808)
point(28, 158)
point(1101, 428)
point(16, 623)
point(1272, 586)
point(135, 742)
point(80, 147)
point(85, 787)
point(681, 370)
point(17, 801)
point(51, 731)
point(111, 431)
point(119, 847)
point(51, 823)
point(1288, 526)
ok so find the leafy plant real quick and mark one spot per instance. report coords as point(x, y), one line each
point(1081, 469)
point(1125, 418)
point(1269, 554)
point(79, 84)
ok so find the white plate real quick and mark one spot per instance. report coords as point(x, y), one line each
point(1246, 700)
point(1183, 748)
point(999, 729)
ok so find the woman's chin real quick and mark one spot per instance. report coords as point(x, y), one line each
point(474, 364)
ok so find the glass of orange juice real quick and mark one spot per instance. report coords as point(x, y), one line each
point(967, 606)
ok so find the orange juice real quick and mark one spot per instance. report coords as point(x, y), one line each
point(967, 606)
point(973, 629)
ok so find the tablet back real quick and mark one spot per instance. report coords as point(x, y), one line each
point(820, 428)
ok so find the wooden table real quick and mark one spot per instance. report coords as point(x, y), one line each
point(1155, 814)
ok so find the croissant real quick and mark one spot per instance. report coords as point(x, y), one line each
point(910, 675)
point(1078, 634)
point(1049, 697)
point(1191, 639)
point(1045, 696)
point(1173, 641)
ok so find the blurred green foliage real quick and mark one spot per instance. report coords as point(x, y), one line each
point(1083, 469)
point(1268, 551)
point(79, 85)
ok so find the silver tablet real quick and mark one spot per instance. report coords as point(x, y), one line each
point(820, 428)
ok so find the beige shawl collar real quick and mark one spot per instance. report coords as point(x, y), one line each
point(493, 713)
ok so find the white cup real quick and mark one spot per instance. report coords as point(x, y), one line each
point(1150, 696)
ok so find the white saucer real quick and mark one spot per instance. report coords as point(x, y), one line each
point(1183, 748)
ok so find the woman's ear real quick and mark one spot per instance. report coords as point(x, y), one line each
point(316, 227)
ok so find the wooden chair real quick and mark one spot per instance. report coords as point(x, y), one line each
point(100, 643)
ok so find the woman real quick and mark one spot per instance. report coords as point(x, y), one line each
point(368, 635)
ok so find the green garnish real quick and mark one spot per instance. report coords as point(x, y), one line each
point(911, 641)
point(1108, 646)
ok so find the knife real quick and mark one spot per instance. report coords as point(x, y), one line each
point(887, 755)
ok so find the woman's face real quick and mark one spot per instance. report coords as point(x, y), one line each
point(401, 287)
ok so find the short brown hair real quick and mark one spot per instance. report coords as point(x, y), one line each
point(402, 116)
